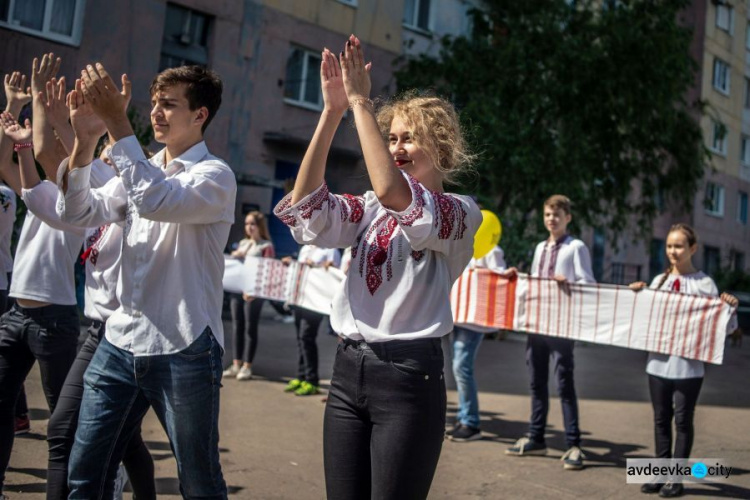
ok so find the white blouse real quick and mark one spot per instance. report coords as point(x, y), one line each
point(403, 263)
point(676, 367)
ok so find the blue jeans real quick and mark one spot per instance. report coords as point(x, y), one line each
point(182, 388)
point(465, 347)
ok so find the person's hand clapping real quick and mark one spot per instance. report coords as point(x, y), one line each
point(106, 101)
point(17, 94)
point(637, 286)
point(55, 108)
point(86, 124)
point(42, 72)
point(13, 130)
point(332, 83)
point(356, 74)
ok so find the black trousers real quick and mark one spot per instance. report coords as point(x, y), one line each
point(539, 349)
point(674, 398)
point(384, 421)
point(48, 335)
point(245, 319)
point(62, 428)
point(307, 322)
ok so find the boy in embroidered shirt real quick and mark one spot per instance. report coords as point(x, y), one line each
point(564, 259)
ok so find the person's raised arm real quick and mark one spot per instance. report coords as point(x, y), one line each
point(21, 137)
point(313, 166)
point(48, 151)
point(56, 112)
point(388, 183)
point(87, 128)
point(17, 94)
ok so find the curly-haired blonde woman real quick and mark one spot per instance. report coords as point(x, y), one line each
point(385, 415)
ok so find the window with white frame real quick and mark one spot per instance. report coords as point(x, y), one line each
point(302, 83)
point(59, 20)
point(719, 138)
point(714, 199)
point(185, 39)
point(725, 17)
point(722, 74)
point(742, 208)
point(745, 150)
point(711, 260)
point(417, 14)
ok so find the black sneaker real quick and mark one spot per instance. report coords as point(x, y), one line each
point(526, 446)
point(671, 490)
point(465, 433)
point(456, 425)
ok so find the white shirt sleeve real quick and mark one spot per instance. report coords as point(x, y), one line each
point(582, 264)
point(41, 200)
point(325, 219)
point(197, 196)
point(441, 222)
point(85, 207)
point(537, 257)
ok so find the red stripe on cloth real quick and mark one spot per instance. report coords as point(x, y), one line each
point(510, 302)
point(492, 297)
point(712, 334)
point(662, 319)
point(688, 334)
point(649, 325)
point(467, 292)
point(581, 297)
point(701, 327)
point(673, 330)
point(569, 310)
point(632, 318)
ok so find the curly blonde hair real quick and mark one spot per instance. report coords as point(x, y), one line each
point(434, 127)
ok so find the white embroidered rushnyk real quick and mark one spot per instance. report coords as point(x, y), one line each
point(403, 263)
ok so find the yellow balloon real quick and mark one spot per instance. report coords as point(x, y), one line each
point(488, 235)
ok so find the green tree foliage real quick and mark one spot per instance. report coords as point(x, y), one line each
point(585, 98)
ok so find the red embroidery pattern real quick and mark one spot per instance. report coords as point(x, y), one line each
point(417, 255)
point(284, 204)
point(92, 252)
point(378, 253)
point(352, 208)
point(451, 215)
point(315, 202)
point(417, 210)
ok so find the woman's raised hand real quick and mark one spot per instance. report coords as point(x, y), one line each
point(638, 286)
point(332, 83)
point(355, 72)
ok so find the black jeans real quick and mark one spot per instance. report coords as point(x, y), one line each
point(307, 322)
point(539, 348)
point(245, 319)
point(674, 398)
point(62, 428)
point(384, 421)
point(48, 335)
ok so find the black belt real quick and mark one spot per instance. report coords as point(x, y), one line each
point(429, 345)
point(45, 311)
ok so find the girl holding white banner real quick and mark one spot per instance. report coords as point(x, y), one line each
point(675, 382)
point(246, 309)
point(385, 415)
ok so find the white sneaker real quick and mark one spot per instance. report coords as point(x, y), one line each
point(232, 371)
point(245, 373)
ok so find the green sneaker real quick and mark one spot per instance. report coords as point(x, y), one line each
point(293, 385)
point(306, 389)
